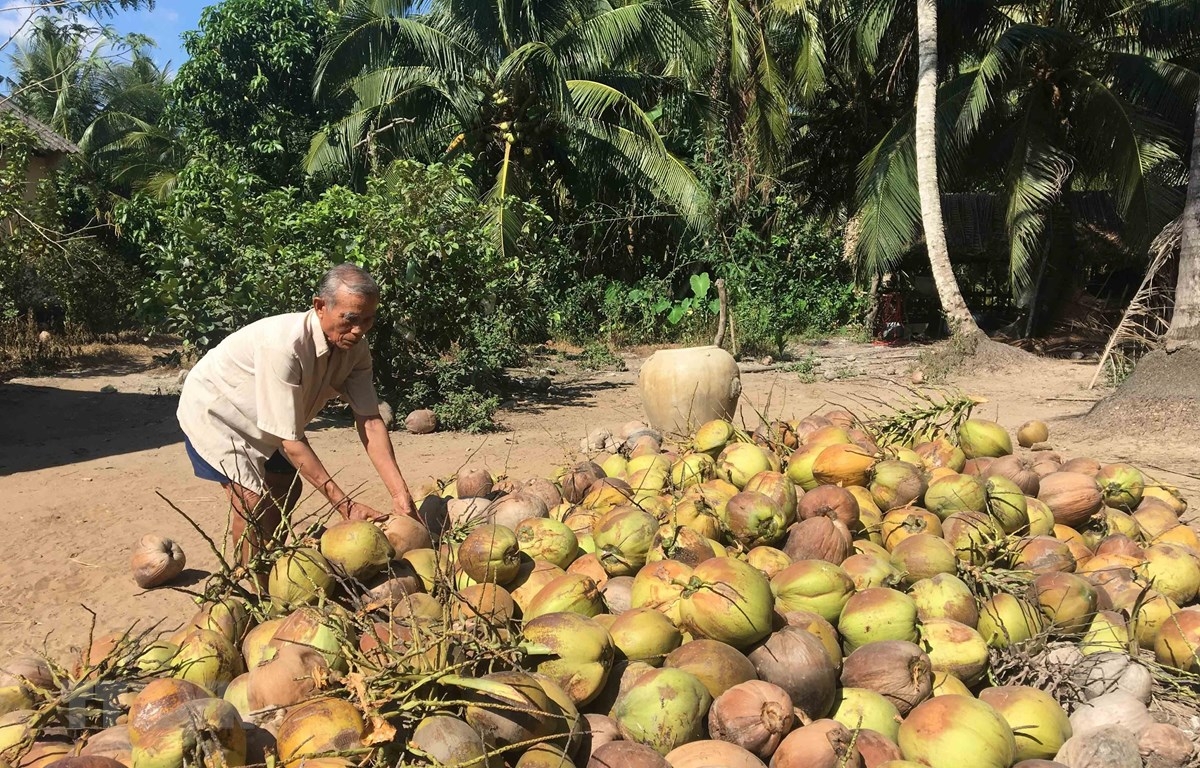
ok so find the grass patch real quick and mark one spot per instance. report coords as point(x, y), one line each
point(943, 361)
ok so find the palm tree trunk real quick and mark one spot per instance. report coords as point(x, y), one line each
point(953, 305)
point(1185, 323)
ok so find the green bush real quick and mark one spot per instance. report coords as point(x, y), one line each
point(59, 280)
point(455, 309)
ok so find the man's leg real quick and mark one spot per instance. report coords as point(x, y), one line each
point(256, 518)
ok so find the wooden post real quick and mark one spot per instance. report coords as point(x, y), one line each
point(723, 298)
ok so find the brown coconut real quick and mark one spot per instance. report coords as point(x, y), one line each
point(576, 481)
point(1018, 469)
point(830, 501)
point(626, 754)
point(896, 669)
point(712, 754)
point(875, 748)
point(1164, 746)
point(1083, 465)
point(754, 715)
point(112, 742)
point(819, 538)
point(156, 560)
point(293, 675)
point(513, 508)
point(473, 482)
point(545, 490)
point(1073, 497)
point(823, 744)
point(797, 662)
point(598, 730)
point(405, 534)
point(421, 422)
point(717, 665)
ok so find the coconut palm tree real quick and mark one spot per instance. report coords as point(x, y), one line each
point(57, 77)
point(556, 100)
point(1185, 322)
point(128, 142)
point(1055, 98)
point(925, 141)
point(770, 57)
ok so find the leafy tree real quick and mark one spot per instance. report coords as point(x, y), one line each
point(1053, 98)
point(245, 91)
point(557, 101)
point(58, 77)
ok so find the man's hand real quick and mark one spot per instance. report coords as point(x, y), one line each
point(360, 511)
point(402, 506)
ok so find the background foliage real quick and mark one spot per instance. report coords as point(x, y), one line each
point(585, 171)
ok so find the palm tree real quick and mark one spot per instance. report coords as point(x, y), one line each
point(555, 101)
point(953, 305)
point(129, 142)
point(1185, 323)
point(770, 57)
point(1048, 99)
point(57, 77)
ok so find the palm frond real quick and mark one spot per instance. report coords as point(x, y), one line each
point(376, 34)
point(1036, 178)
point(1002, 60)
point(635, 149)
point(1125, 147)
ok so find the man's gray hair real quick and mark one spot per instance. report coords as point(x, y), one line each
point(353, 278)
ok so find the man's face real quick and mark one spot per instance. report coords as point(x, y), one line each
point(347, 319)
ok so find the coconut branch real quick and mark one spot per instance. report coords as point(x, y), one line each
point(1147, 318)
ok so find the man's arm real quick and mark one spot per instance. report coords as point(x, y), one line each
point(308, 464)
point(375, 438)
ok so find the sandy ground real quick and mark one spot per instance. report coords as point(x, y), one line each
point(84, 473)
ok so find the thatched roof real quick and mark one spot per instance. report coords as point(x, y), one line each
point(48, 142)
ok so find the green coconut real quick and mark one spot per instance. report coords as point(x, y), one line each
point(300, 576)
point(357, 548)
point(664, 710)
point(980, 438)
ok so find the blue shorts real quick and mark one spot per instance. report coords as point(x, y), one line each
point(276, 464)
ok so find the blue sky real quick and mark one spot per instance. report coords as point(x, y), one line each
point(165, 24)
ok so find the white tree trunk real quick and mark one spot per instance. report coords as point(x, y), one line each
point(953, 305)
point(1185, 323)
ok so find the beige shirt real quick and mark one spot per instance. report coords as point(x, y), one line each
point(262, 385)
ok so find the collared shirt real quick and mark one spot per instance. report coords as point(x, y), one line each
point(262, 385)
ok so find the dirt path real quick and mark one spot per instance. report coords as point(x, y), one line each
point(81, 470)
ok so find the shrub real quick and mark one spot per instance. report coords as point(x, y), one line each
point(454, 307)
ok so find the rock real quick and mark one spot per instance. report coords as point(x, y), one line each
point(421, 422)
point(768, 360)
point(596, 440)
point(1076, 355)
point(108, 389)
point(388, 415)
point(1115, 747)
point(852, 359)
point(918, 377)
point(44, 337)
point(829, 375)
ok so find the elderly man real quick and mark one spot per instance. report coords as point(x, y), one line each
point(245, 406)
